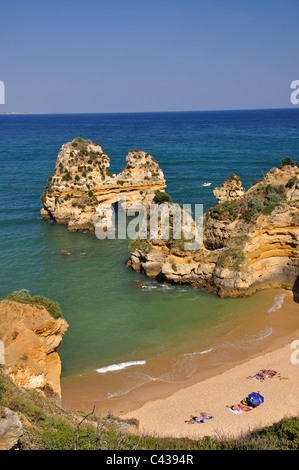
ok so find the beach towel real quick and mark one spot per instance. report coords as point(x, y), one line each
point(237, 412)
point(196, 420)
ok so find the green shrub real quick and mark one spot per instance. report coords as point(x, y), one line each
point(161, 197)
point(174, 267)
point(24, 293)
point(272, 199)
point(256, 204)
point(291, 182)
point(268, 209)
point(246, 215)
point(23, 297)
point(286, 161)
point(223, 211)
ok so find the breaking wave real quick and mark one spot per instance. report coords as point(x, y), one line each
point(122, 365)
point(278, 301)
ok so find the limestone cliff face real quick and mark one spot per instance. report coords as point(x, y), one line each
point(249, 242)
point(31, 337)
point(81, 182)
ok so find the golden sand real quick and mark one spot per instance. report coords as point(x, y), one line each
point(166, 417)
point(162, 409)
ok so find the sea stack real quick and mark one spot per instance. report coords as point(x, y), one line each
point(81, 181)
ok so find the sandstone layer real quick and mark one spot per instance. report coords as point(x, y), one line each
point(250, 240)
point(81, 183)
point(31, 337)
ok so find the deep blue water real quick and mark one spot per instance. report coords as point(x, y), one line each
point(94, 286)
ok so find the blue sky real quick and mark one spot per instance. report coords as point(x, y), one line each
point(83, 56)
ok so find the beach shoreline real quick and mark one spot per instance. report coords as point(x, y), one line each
point(157, 398)
point(215, 395)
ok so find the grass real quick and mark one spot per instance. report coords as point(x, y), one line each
point(231, 258)
point(140, 244)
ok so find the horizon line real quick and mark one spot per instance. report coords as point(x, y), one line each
point(146, 112)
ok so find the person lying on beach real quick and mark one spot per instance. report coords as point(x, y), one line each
point(244, 405)
point(239, 408)
point(196, 419)
point(263, 374)
point(206, 415)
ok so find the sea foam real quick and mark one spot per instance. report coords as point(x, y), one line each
point(122, 365)
point(278, 301)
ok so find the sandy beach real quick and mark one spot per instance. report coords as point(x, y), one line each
point(162, 408)
point(166, 417)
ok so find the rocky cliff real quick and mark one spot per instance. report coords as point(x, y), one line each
point(31, 337)
point(230, 189)
point(250, 240)
point(82, 181)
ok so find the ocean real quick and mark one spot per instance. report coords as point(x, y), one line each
point(158, 332)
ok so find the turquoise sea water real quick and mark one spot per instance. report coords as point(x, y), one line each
point(111, 320)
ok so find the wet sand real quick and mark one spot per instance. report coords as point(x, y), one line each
point(162, 407)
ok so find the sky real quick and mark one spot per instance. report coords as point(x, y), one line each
point(103, 56)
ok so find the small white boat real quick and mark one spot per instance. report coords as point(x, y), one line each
point(206, 184)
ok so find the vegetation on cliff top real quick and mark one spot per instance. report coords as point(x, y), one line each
point(23, 296)
point(261, 198)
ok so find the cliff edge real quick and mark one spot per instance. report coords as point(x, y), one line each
point(31, 336)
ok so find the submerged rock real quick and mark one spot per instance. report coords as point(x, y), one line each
point(65, 252)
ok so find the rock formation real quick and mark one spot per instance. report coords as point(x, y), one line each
point(249, 242)
point(81, 182)
point(11, 428)
point(231, 189)
point(31, 337)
